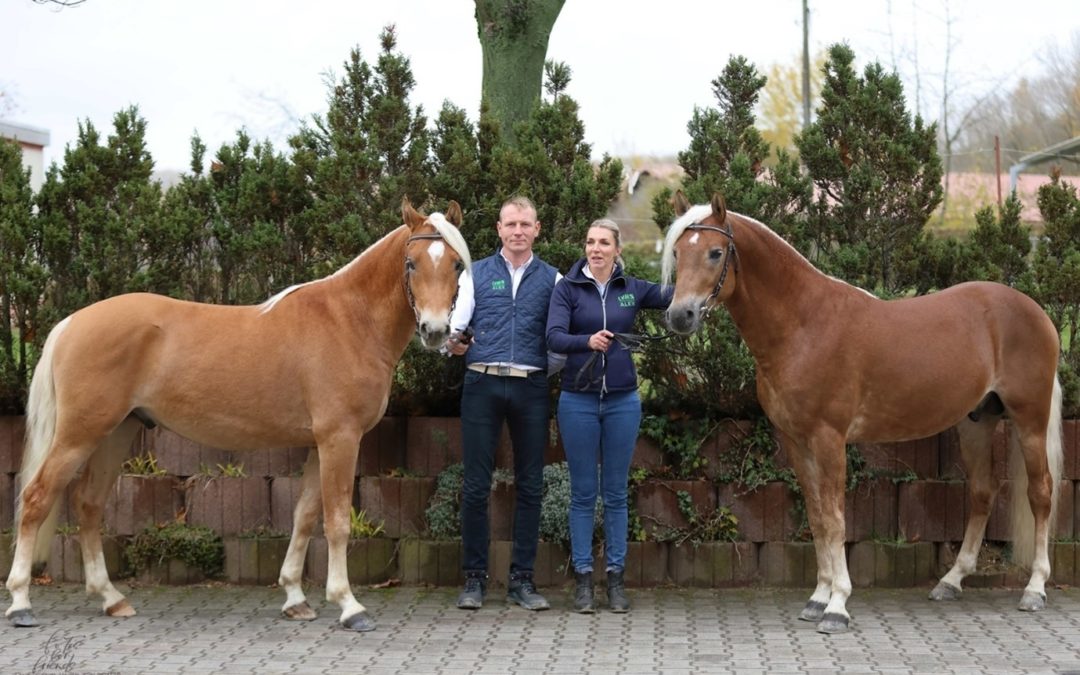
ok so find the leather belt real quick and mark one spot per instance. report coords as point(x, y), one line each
point(501, 371)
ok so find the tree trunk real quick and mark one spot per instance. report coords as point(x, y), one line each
point(514, 40)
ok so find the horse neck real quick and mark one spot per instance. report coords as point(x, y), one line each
point(372, 289)
point(775, 288)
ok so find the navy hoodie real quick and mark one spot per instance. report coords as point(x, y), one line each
point(577, 311)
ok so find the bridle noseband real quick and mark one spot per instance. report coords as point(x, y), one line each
point(408, 283)
point(728, 256)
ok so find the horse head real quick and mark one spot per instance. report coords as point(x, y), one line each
point(699, 250)
point(435, 256)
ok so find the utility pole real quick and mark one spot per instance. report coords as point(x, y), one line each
point(805, 64)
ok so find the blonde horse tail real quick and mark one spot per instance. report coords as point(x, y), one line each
point(1022, 520)
point(40, 431)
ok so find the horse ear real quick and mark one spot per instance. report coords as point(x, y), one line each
point(682, 205)
point(719, 210)
point(409, 215)
point(453, 213)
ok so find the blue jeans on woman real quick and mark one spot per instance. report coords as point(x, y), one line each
point(598, 429)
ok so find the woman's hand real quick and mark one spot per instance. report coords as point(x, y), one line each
point(600, 340)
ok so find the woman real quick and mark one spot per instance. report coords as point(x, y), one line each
point(599, 409)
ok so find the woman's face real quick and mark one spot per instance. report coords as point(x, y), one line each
point(601, 250)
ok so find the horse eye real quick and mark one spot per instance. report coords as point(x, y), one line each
point(459, 266)
point(410, 266)
point(715, 254)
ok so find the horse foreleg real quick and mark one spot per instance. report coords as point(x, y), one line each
point(975, 450)
point(91, 492)
point(807, 472)
point(827, 456)
point(305, 517)
point(337, 466)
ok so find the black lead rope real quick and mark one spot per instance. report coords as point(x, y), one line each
point(631, 342)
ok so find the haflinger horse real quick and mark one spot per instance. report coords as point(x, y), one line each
point(311, 366)
point(836, 365)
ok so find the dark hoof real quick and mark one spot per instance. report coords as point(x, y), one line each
point(1032, 602)
point(814, 611)
point(300, 612)
point(360, 622)
point(22, 618)
point(833, 623)
point(944, 591)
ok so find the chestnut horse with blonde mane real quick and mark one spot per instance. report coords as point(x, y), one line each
point(836, 365)
point(312, 366)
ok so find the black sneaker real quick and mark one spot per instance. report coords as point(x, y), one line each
point(473, 595)
point(522, 590)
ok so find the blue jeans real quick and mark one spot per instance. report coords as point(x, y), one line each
point(602, 430)
point(487, 401)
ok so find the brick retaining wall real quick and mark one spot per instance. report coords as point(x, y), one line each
point(899, 533)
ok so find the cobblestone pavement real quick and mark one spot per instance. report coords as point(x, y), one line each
point(230, 629)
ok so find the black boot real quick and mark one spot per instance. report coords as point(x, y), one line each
point(616, 592)
point(472, 597)
point(522, 590)
point(583, 595)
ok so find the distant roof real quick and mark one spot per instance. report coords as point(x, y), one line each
point(24, 133)
point(1058, 150)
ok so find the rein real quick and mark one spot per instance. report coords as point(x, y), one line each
point(409, 268)
point(631, 342)
point(731, 253)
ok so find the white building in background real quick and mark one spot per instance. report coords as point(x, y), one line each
point(33, 141)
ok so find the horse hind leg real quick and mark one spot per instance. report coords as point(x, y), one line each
point(89, 498)
point(1035, 467)
point(976, 438)
point(305, 517)
point(38, 505)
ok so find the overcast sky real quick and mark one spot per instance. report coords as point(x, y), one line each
point(639, 67)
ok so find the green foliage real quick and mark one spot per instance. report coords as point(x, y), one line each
point(1055, 271)
point(22, 279)
point(359, 159)
point(230, 470)
point(680, 440)
point(143, 465)
point(750, 461)
point(196, 546)
point(877, 175)
point(360, 527)
point(93, 215)
point(718, 525)
point(443, 514)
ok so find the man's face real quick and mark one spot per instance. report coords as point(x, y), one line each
point(517, 228)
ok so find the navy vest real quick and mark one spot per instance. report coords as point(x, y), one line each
point(509, 329)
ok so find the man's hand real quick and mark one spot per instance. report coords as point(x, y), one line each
point(458, 343)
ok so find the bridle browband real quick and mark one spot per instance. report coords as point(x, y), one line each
point(408, 284)
point(731, 253)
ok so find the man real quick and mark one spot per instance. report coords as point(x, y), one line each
point(505, 303)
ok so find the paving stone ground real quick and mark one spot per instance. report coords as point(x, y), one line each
point(235, 629)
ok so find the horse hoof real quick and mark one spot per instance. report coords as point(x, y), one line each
point(814, 611)
point(944, 591)
point(360, 622)
point(22, 618)
point(833, 623)
point(121, 608)
point(300, 612)
point(1032, 602)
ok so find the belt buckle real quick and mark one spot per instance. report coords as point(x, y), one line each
point(504, 371)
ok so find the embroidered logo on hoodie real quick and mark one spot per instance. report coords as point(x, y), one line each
point(627, 300)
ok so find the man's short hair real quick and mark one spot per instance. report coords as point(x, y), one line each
point(520, 201)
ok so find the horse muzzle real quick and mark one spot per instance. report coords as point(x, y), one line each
point(684, 318)
point(433, 334)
